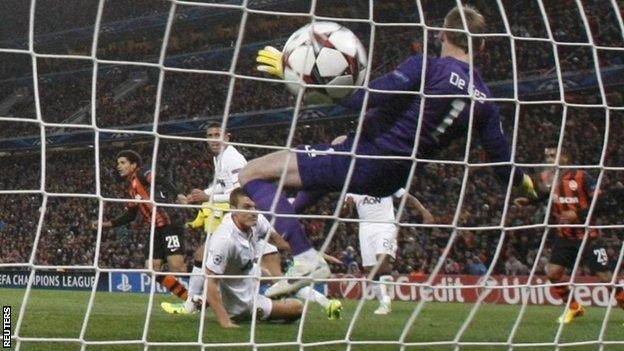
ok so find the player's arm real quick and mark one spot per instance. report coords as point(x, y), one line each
point(348, 207)
point(213, 294)
point(216, 263)
point(497, 147)
point(127, 217)
point(278, 241)
point(414, 203)
point(405, 77)
point(589, 187)
point(199, 196)
point(332, 260)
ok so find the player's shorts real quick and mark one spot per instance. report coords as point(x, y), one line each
point(327, 172)
point(564, 252)
point(264, 306)
point(377, 239)
point(269, 249)
point(168, 241)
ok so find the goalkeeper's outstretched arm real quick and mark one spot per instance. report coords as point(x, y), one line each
point(405, 77)
point(493, 140)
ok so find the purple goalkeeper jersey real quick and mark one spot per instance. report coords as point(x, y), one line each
point(392, 119)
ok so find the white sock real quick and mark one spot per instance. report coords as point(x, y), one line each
point(310, 255)
point(196, 282)
point(309, 293)
point(196, 285)
point(377, 291)
point(384, 287)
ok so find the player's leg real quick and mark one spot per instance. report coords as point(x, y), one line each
point(563, 255)
point(193, 296)
point(271, 265)
point(333, 307)
point(306, 199)
point(196, 281)
point(169, 245)
point(271, 262)
point(380, 287)
point(157, 264)
point(270, 168)
point(176, 263)
point(287, 309)
point(257, 179)
point(378, 250)
point(168, 281)
point(598, 260)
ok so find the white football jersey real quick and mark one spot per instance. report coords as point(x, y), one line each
point(233, 252)
point(226, 168)
point(371, 208)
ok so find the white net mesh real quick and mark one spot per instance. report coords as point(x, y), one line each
point(83, 80)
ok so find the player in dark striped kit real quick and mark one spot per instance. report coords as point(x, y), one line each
point(168, 237)
point(572, 198)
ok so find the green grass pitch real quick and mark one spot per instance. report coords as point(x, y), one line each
point(116, 316)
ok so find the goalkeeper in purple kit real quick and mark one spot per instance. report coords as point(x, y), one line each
point(389, 129)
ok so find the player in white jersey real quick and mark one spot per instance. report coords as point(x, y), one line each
point(234, 249)
point(215, 201)
point(378, 240)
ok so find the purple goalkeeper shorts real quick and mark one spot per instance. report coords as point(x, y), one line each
point(328, 172)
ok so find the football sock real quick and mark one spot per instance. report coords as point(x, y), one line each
point(263, 192)
point(563, 292)
point(196, 282)
point(304, 294)
point(383, 286)
point(172, 284)
point(380, 289)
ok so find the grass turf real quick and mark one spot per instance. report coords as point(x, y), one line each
point(117, 316)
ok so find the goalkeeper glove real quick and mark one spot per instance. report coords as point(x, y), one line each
point(270, 61)
point(527, 188)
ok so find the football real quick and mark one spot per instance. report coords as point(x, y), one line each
point(324, 53)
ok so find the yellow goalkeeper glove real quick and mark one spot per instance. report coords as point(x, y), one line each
point(527, 188)
point(270, 61)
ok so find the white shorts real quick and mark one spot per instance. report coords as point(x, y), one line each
point(269, 249)
point(377, 239)
point(264, 305)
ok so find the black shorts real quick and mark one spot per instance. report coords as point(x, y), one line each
point(564, 252)
point(168, 241)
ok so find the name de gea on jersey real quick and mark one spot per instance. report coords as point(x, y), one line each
point(459, 82)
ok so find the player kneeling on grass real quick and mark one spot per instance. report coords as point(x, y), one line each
point(232, 252)
point(269, 261)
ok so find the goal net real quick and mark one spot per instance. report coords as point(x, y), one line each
point(83, 80)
